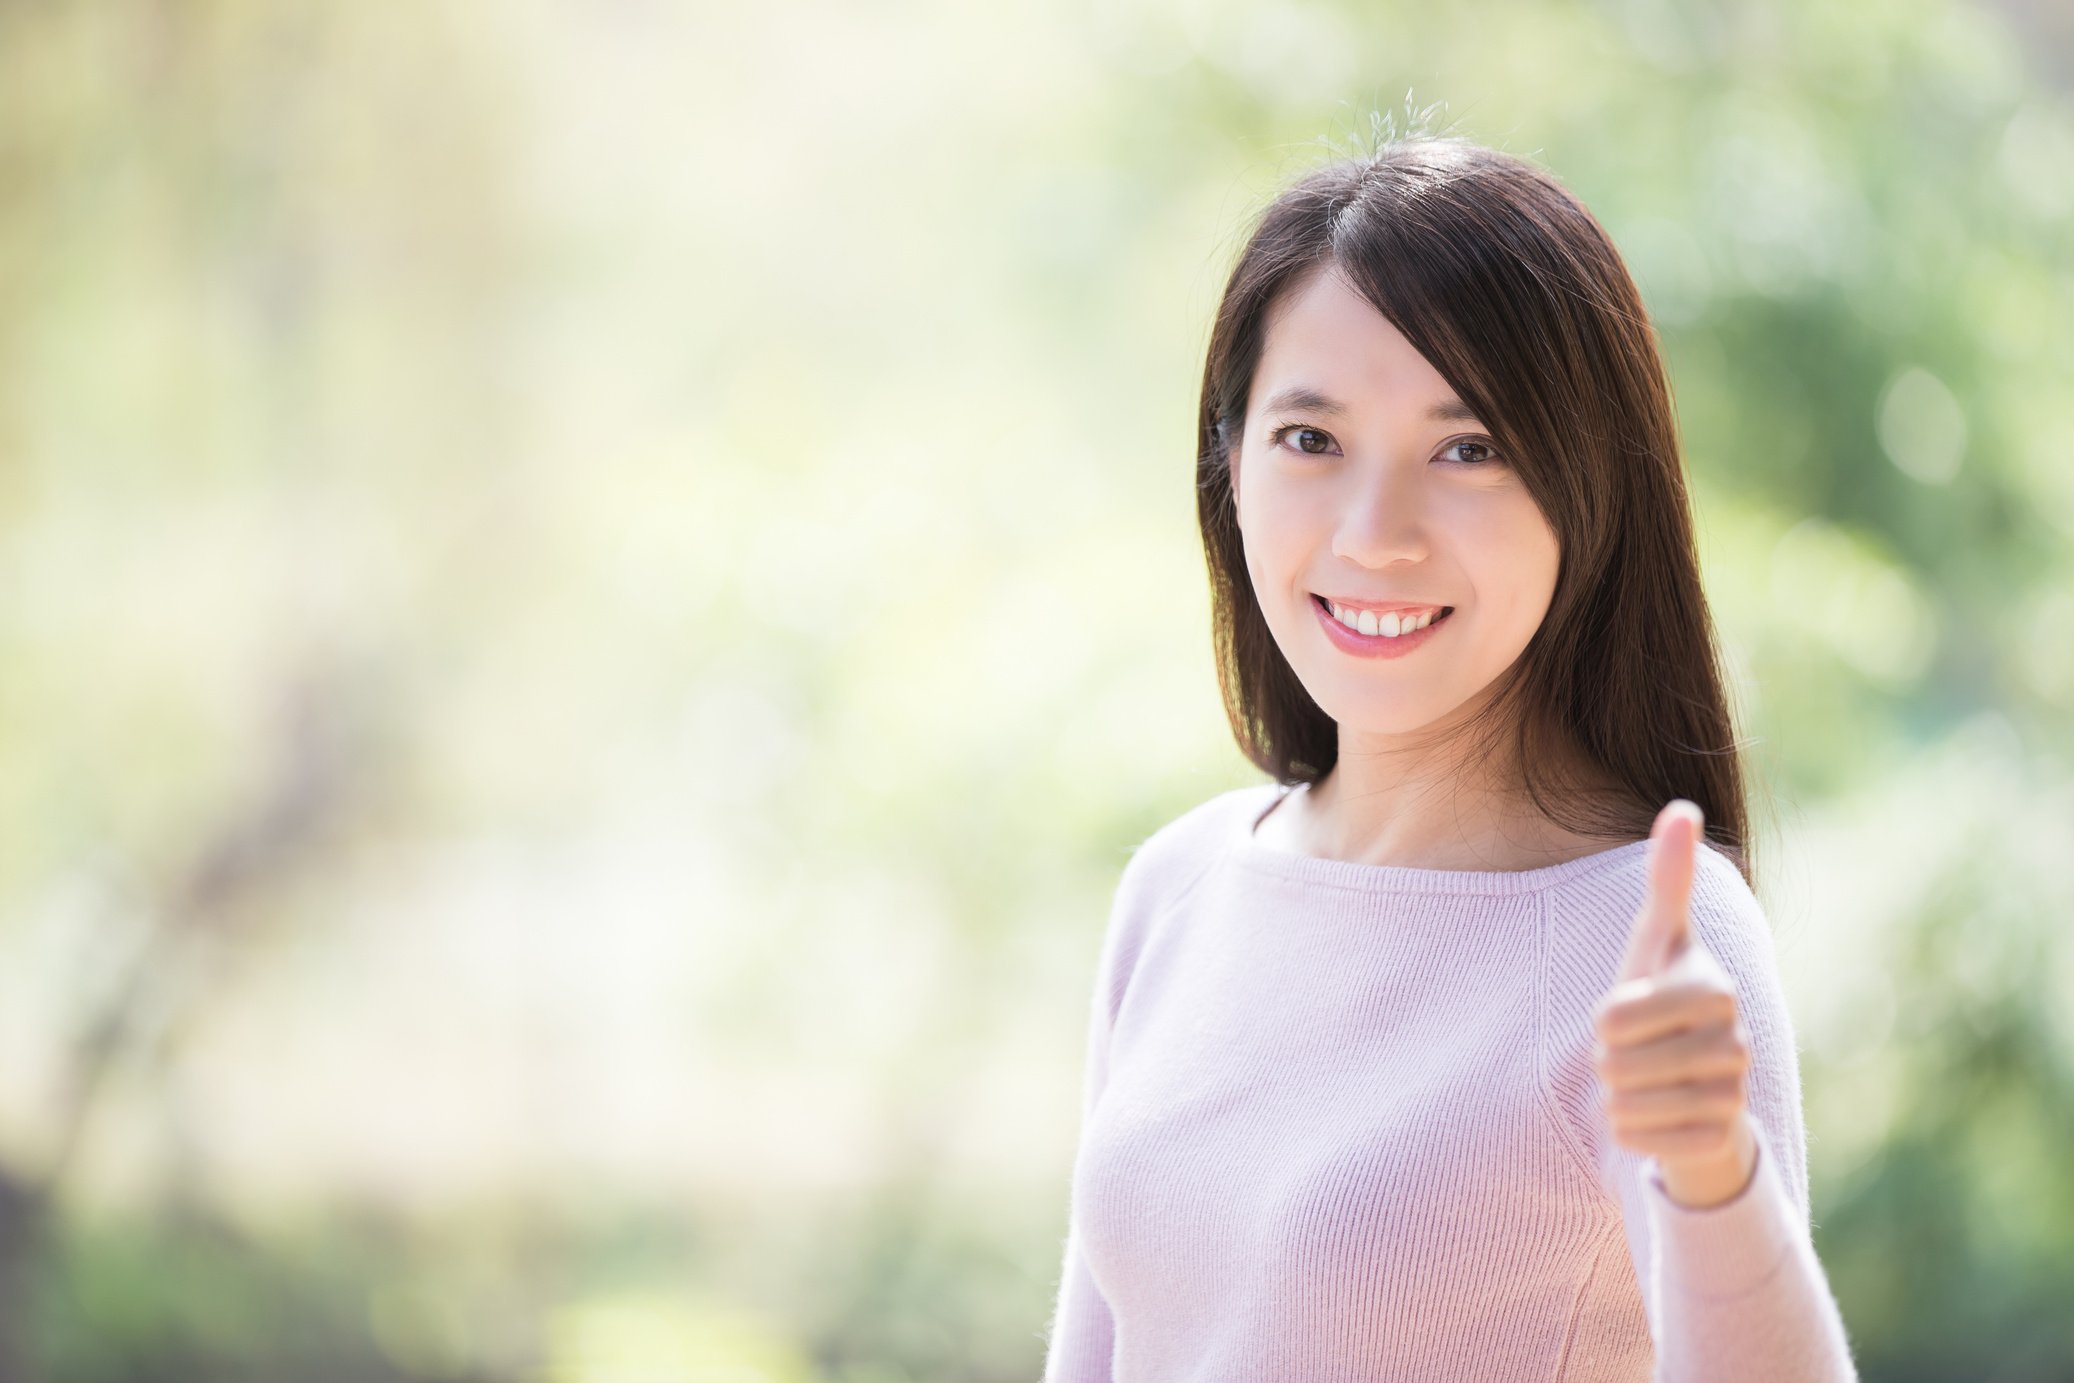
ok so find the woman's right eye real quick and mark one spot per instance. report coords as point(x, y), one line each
point(1309, 440)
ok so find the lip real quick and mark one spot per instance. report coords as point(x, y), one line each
point(1376, 645)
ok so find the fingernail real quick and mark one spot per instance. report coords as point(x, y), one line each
point(1689, 811)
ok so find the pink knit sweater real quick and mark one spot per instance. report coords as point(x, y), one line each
point(1341, 1123)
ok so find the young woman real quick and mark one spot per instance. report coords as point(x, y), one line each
point(1423, 1063)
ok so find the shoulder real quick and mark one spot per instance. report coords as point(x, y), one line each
point(1177, 857)
point(1590, 916)
point(1726, 916)
point(1592, 911)
point(1166, 870)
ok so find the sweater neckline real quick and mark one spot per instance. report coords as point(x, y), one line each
point(1397, 878)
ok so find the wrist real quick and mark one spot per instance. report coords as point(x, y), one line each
point(1706, 1182)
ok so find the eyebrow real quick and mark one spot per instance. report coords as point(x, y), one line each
point(1303, 400)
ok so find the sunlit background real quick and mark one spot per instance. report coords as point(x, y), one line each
point(593, 594)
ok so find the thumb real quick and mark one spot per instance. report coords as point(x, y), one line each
point(1663, 927)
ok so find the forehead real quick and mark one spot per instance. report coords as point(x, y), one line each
point(1325, 337)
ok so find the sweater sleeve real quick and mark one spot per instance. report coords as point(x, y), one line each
point(1083, 1333)
point(1733, 1292)
point(1738, 1292)
point(1164, 871)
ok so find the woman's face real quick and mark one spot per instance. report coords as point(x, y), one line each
point(1401, 564)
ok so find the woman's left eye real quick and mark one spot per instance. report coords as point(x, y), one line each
point(1469, 453)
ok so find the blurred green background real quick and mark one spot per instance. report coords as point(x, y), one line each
point(593, 594)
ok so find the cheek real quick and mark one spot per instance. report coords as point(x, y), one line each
point(1540, 559)
point(1542, 565)
point(1513, 559)
point(1268, 527)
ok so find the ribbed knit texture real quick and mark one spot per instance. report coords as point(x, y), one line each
point(1341, 1123)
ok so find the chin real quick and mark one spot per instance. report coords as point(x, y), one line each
point(1367, 715)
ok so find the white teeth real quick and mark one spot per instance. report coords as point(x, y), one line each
point(1388, 626)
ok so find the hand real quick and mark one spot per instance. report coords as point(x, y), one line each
point(1671, 1056)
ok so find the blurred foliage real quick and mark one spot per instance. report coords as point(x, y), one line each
point(1942, 1062)
point(593, 596)
point(189, 1299)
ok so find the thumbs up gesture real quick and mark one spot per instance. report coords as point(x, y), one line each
point(1671, 1056)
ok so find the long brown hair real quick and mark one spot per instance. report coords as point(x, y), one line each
point(1501, 279)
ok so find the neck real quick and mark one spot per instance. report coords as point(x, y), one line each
point(1449, 797)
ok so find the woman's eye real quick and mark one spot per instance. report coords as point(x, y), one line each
point(1308, 440)
point(1470, 453)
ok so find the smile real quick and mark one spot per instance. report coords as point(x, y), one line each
point(1379, 631)
point(1391, 623)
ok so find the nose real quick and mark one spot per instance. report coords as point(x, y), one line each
point(1384, 523)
